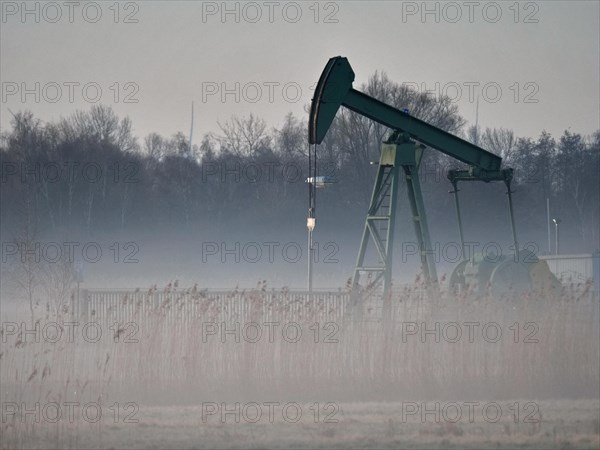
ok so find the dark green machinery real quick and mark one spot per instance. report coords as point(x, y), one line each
point(400, 157)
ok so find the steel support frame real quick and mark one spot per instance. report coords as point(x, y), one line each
point(396, 160)
point(505, 175)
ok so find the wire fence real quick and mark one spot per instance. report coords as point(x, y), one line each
point(181, 307)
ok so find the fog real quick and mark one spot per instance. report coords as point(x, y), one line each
point(156, 289)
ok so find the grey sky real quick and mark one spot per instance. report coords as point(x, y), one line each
point(174, 55)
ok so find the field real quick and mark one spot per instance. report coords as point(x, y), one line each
point(444, 371)
point(566, 424)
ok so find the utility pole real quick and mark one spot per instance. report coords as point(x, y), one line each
point(310, 224)
point(556, 222)
point(192, 128)
point(548, 215)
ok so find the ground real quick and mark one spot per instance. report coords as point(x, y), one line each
point(564, 424)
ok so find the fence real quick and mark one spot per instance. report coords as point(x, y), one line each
point(178, 308)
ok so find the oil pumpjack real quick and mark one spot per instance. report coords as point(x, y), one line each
point(400, 156)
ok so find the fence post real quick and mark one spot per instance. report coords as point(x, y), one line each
point(82, 303)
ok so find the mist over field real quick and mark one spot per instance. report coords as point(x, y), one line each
point(156, 179)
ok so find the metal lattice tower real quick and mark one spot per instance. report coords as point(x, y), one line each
point(400, 156)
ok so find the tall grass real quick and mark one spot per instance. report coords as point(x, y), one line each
point(159, 352)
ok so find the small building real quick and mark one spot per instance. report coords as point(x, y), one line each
point(575, 269)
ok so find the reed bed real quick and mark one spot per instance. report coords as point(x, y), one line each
point(186, 346)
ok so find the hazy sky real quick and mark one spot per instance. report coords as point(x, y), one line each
point(534, 65)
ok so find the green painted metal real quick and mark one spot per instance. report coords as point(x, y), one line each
point(417, 206)
point(472, 174)
point(334, 89)
point(399, 156)
point(421, 131)
point(400, 151)
point(333, 85)
point(512, 216)
point(380, 223)
point(475, 174)
point(458, 216)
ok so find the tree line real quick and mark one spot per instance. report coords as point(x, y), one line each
point(89, 172)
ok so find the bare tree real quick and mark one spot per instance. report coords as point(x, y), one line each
point(57, 278)
point(244, 136)
point(499, 141)
point(154, 146)
point(24, 270)
point(100, 124)
point(291, 139)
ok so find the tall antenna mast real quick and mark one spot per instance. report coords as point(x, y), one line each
point(477, 121)
point(192, 127)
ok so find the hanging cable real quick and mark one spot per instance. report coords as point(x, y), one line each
point(314, 194)
point(310, 196)
point(312, 180)
point(311, 221)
